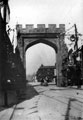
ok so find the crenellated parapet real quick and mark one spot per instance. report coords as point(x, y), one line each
point(52, 28)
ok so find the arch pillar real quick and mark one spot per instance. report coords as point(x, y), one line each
point(59, 68)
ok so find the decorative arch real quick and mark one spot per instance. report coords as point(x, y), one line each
point(51, 36)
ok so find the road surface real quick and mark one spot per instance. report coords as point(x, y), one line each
point(46, 103)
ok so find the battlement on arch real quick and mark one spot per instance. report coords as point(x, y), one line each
point(41, 28)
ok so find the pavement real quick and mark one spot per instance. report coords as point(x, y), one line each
point(46, 103)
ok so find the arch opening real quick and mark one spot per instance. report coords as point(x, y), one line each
point(38, 53)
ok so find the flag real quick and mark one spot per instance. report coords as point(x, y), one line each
point(80, 41)
point(70, 37)
point(14, 40)
point(7, 12)
point(70, 33)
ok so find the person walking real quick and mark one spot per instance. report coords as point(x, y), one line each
point(78, 74)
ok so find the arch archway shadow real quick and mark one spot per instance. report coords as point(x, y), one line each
point(44, 42)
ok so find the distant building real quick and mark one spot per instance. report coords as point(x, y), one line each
point(46, 71)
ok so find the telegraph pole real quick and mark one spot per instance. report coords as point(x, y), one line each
point(76, 37)
point(78, 65)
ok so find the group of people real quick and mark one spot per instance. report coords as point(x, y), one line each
point(44, 81)
point(74, 75)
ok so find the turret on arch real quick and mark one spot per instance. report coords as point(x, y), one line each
point(52, 36)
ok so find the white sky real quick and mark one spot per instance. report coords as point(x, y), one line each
point(39, 54)
point(45, 12)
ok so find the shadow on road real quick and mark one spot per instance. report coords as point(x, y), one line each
point(67, 88)
point(78, 107)
point(30, 92)
point(14, 99)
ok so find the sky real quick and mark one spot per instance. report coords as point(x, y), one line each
point(37, 55)
point(47, 12)
point(35, 12)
